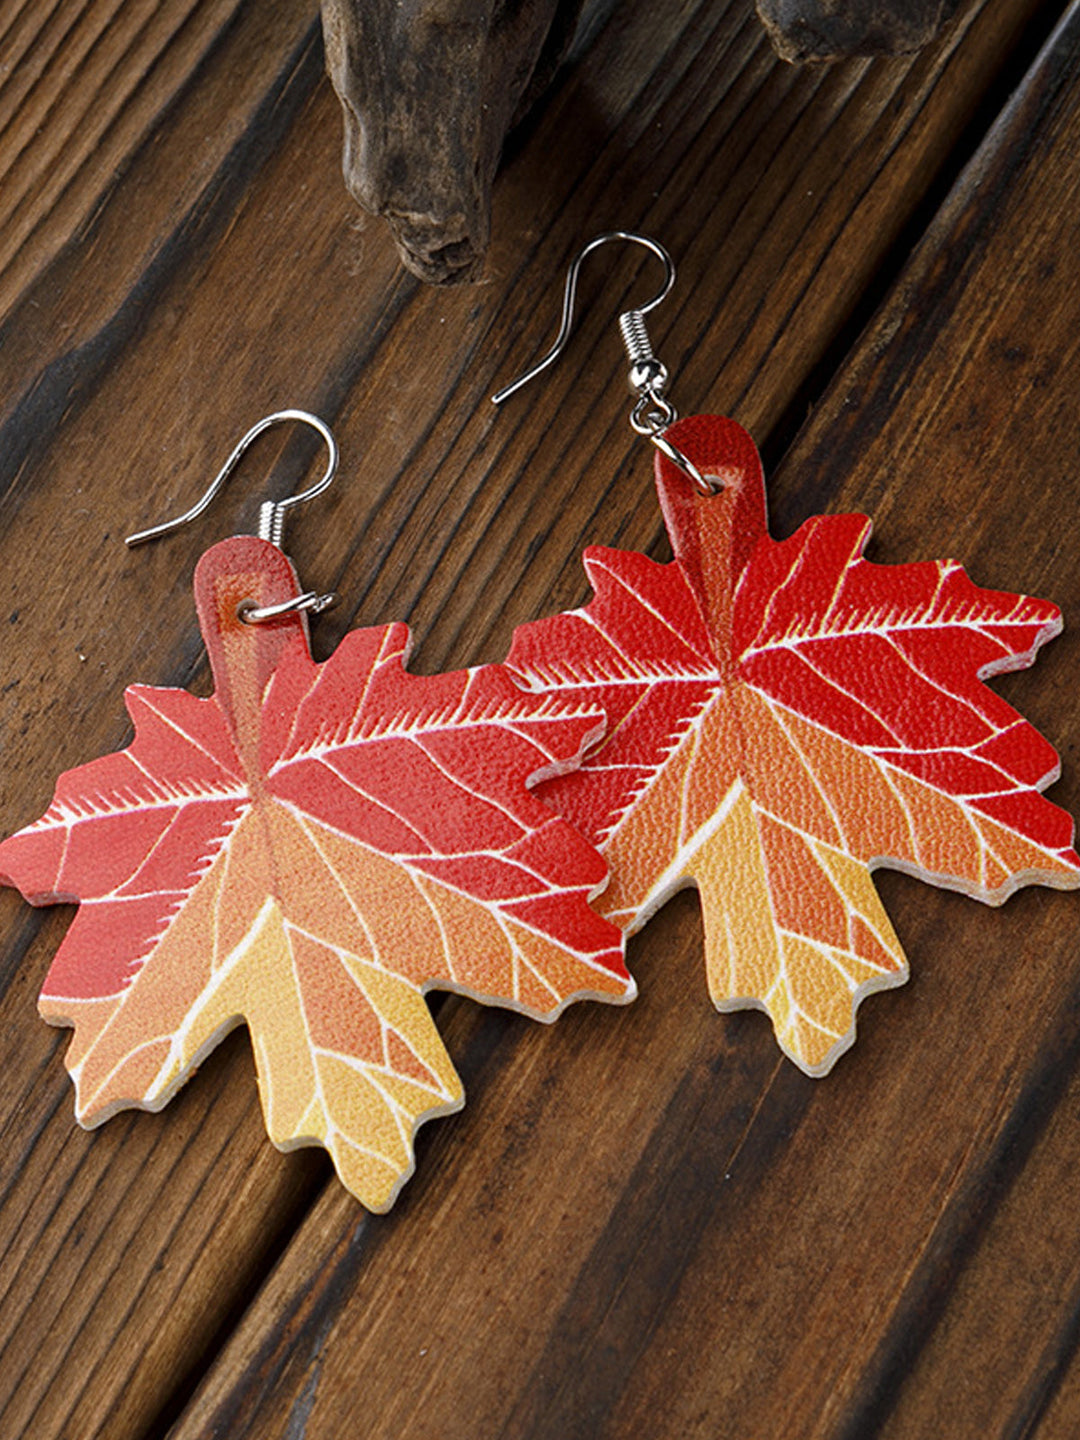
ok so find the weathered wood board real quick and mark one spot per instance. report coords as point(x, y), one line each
point(751, 1252)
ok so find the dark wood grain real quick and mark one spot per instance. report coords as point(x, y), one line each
point(645, 1220)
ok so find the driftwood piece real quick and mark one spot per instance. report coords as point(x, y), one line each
point(429, 90)
point(832, 29)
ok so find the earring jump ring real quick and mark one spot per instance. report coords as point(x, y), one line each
point(704, 484)
point(310, 601)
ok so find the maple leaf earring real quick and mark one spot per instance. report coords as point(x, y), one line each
point(308, 852)
point(784, 717)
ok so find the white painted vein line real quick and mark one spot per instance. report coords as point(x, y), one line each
point(840, 690)
point(306, 825)
point(318, 1094)
point(219, 899)
point(850, 568)
point(128, 1055)
point(1010, 661)
point(421, 880)
point(357, 789)
point(209, 848)
point(969, 815)
point(155, 781)
point(653, 771)
point(625, 668)
point(499, 910)
point(645, 605)
point(684, 789)
point(416, 723)
point(519, 960)
point(173, 896)
point(66, 814)
point(345, 1142)
point(793, 570)
point(69, 831)
point(967, 704)
point(496, 915)
point(543, 883)
point(804, 760)
point(188, 789)
point(1016, 725)
point(370, 1071)
point(546, 757)
point(674, 871)
point(169, 897)
point(841, 582)
point(378, 664)
point(812, 840)
point(887, 773)
point(189, 739)
point(316, 673)
point(305, 820)
point(170, 903)
point(385, 1070)
point(382, 659)
point(831, 954)
point(883, 623)
point(886, 623)
point(1012, 785)
point(807, 1022)
point(377, 1076)
point(695, 713)
point(419, 883)
point(627, 768)
point(465, 703)
point(217, 979)
point(964, 802)
point(466, 789)
point(652, 670)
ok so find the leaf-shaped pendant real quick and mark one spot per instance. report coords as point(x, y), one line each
point(783, 718)
point(308, 851)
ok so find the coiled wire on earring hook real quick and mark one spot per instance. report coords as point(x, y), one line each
point(272, 513)
point(652, 413)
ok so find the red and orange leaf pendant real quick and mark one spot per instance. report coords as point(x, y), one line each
point(309, 851)
point(783, 718)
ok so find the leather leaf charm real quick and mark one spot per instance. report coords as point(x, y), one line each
point(308, 851)
point(783, 718)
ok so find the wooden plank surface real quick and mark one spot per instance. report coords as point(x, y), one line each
point(644, 1221)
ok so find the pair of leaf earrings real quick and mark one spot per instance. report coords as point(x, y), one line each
point(317, 845)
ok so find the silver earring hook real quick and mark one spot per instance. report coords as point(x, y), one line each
point(271, 514)
point(653, 413)
point(570, 298)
